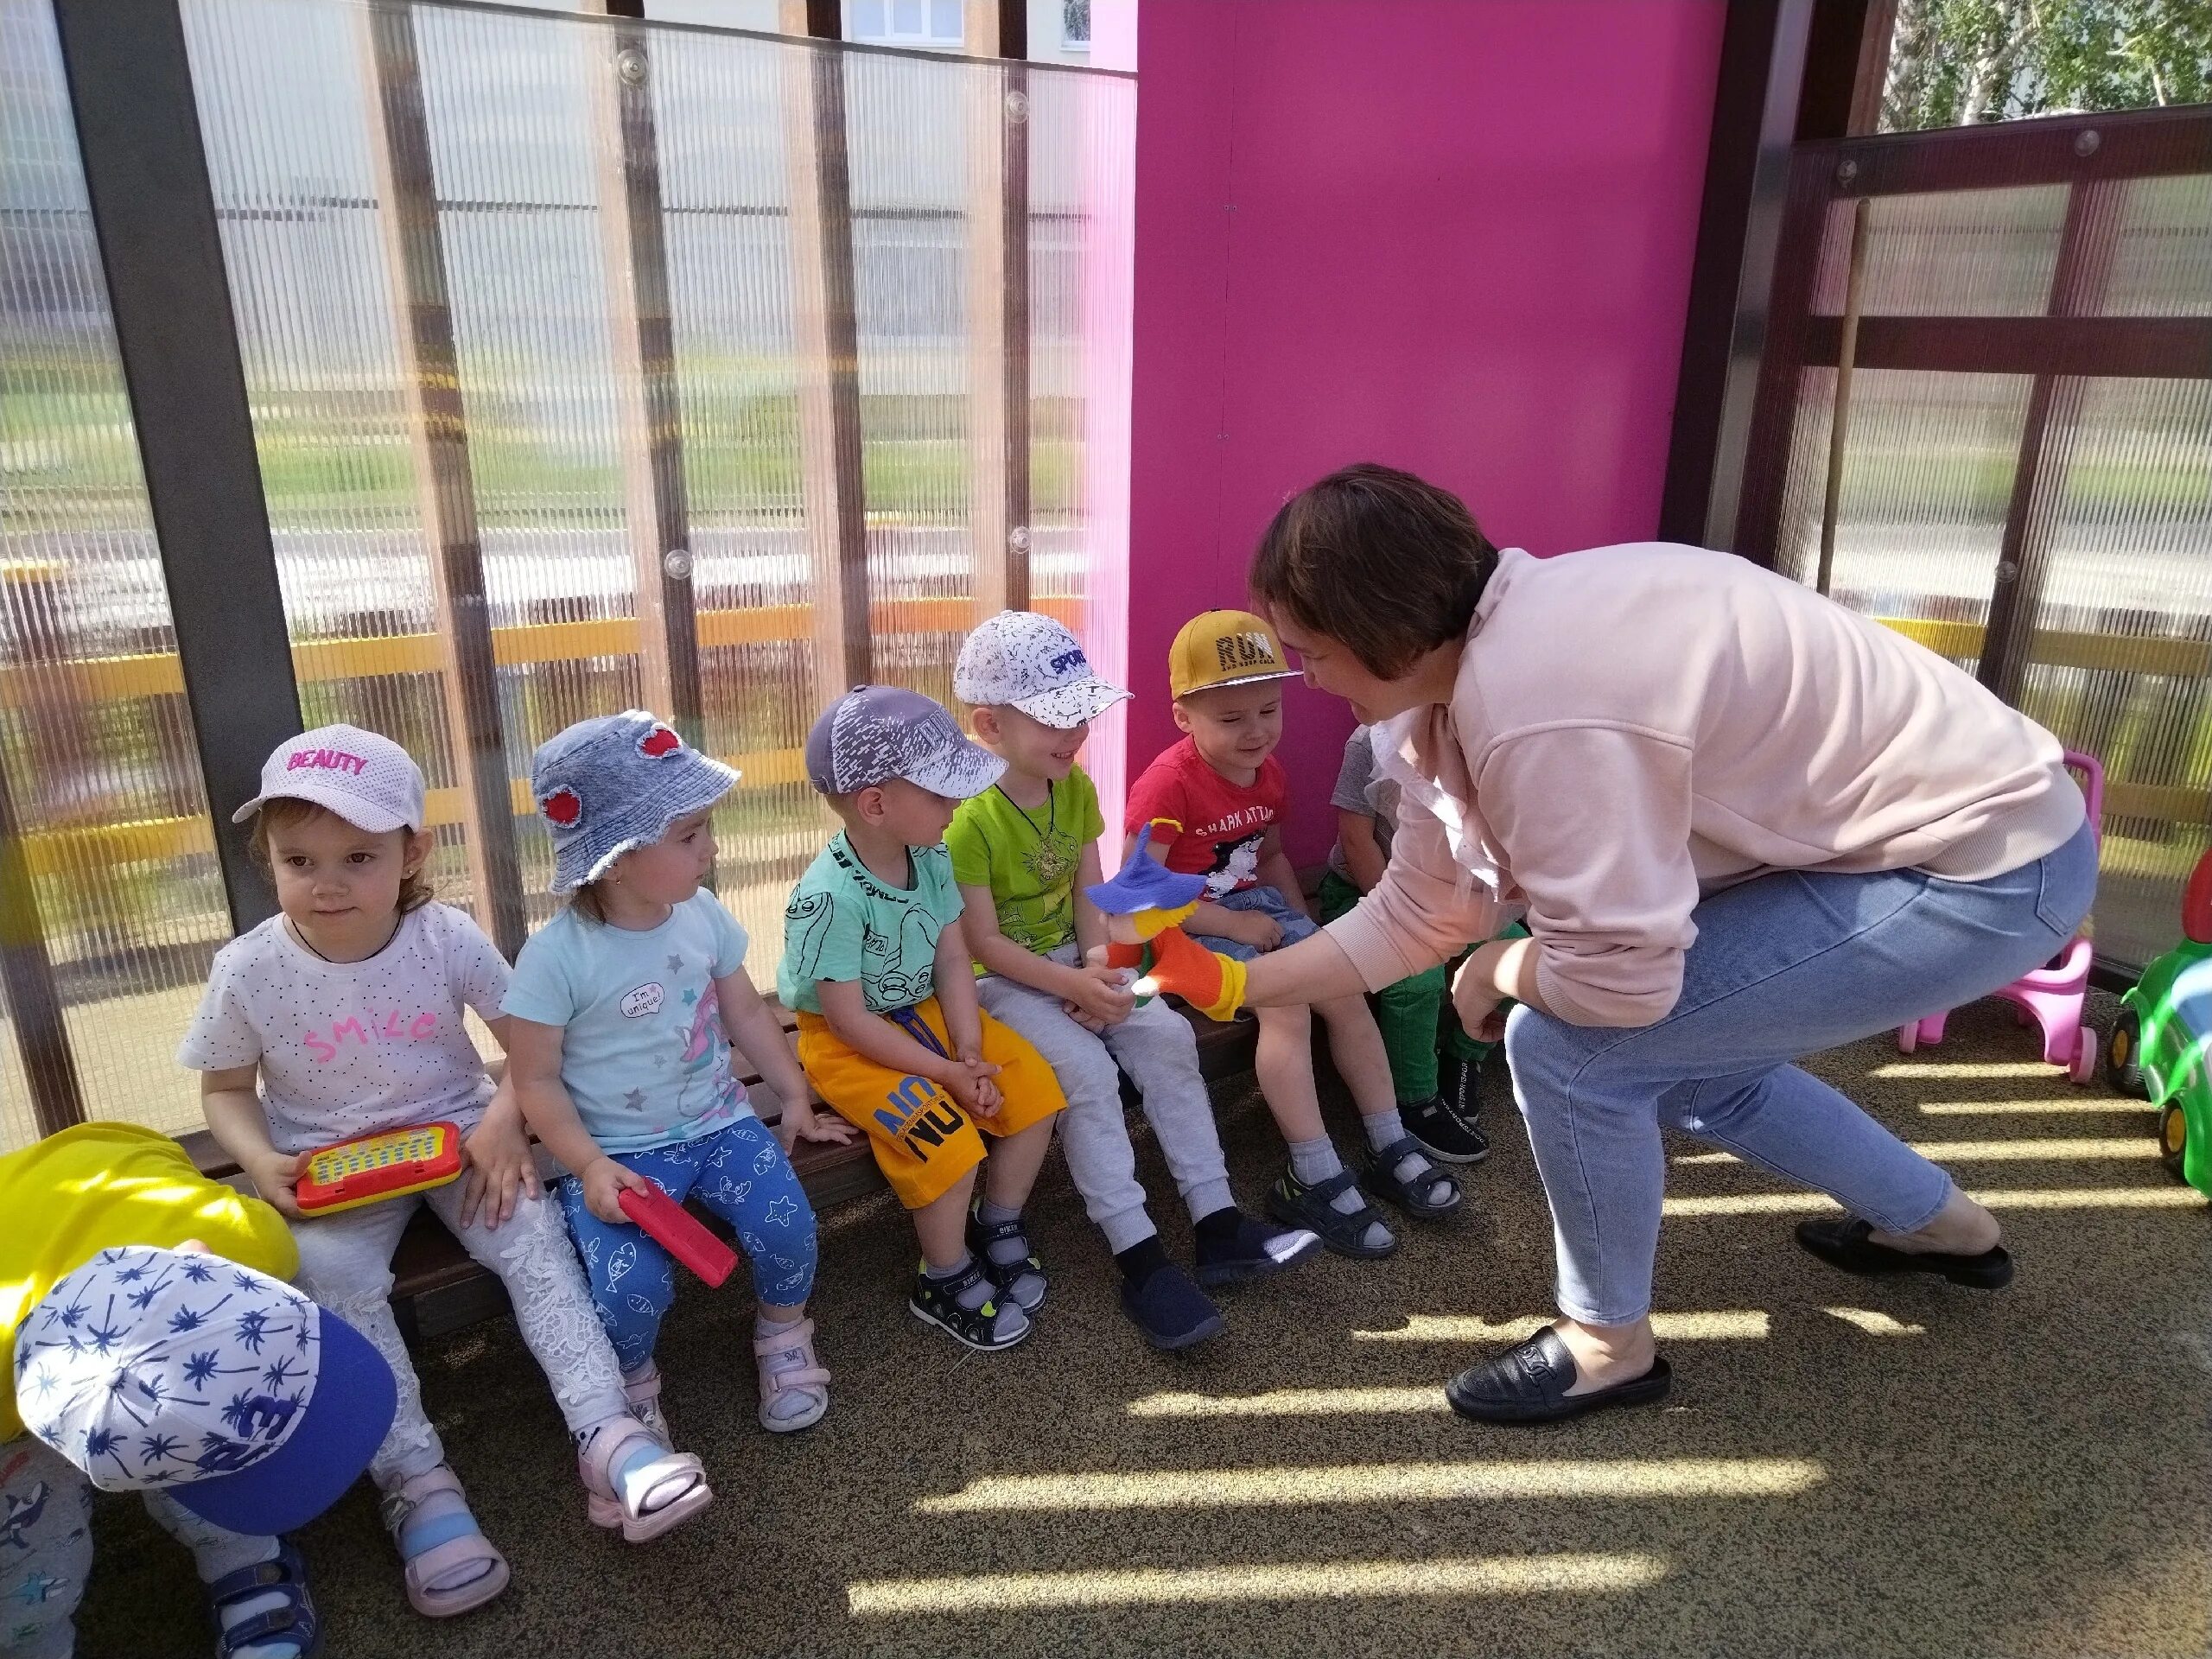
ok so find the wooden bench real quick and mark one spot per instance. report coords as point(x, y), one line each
point(437, 1289)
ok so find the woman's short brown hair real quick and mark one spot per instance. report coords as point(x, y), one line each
point(1386, 564)
point(415, 890)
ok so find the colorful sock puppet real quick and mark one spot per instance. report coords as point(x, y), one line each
point(1143, 903)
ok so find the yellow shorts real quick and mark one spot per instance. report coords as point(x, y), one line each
point(923, 1138)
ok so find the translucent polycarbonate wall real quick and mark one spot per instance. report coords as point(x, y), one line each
point(566, 313)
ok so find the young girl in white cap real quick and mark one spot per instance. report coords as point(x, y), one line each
point(623, 1011)
point(346, 1008)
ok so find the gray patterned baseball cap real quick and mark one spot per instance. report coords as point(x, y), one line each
point(1035, 664)
point(606, 786)
point(876, 733)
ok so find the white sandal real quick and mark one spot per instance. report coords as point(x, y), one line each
point(659, 1494)
point(642, 1392)
point(426, 1567)
point(807, 1379)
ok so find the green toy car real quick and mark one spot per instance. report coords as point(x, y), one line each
point(2157, 1047)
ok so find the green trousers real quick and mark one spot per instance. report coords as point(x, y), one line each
point(1412, 1012)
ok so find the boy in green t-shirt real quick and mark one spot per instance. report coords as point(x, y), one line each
point(1022, 852)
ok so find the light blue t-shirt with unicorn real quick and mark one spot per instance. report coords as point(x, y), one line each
point(643, 1052)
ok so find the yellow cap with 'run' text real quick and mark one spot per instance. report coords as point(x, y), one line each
point(1224, 648)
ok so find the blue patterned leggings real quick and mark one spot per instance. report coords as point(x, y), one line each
point(739, 1173)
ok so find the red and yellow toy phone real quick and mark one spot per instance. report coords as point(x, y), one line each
point(377, 1166)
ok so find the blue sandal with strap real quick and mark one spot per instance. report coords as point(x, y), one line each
point(282, 1574)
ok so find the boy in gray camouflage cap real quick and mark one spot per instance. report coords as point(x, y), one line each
point(877, 968)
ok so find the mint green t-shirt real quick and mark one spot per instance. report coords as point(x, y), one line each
point(1027, 857)
point(643, 1052)
point(842, 924)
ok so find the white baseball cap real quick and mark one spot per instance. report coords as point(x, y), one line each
point(157, 1368)
point(368, 780)
point(1034, 663)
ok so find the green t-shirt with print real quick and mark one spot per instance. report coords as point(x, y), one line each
point(1027, 857)
point(843, 924)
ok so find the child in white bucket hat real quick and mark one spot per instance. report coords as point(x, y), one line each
point(624, 1008)
point(344, 1015)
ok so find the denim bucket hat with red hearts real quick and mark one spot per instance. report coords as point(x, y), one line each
point(606, 786)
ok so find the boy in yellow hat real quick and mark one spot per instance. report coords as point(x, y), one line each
point(1215, 803)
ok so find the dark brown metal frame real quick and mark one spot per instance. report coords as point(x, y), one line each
point(2091, 154)
point(831, 480)
point(656, 494)
point(998, 311)
point(34, 1001)
point(153, 212)
point(400, 141)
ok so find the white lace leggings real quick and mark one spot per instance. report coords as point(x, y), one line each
point(346, 1265)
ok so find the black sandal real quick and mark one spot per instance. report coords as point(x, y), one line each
point(1412, 1197)
point(1021, 1280)
point(1847, 1244)
point(936, 1302)
point(1296, 1205)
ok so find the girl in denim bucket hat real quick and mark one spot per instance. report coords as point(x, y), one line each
point(346, 1015)
point(624, 1008)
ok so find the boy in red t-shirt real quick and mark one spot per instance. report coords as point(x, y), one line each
point(1224, 797)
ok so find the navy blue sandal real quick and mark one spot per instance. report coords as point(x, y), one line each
point(283, 1574)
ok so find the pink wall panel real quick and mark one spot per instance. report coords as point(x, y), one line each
point(1451, 235)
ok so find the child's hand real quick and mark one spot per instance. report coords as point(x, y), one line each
point(1255, 928)
point(1480, 1006)
point(1101, 993)
point(500, 1166)
point(970, 1084)
point(802, 1122)
point(1075, 1013)
point(603, 1183)
point(274, 1174)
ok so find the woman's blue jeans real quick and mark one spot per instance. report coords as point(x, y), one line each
point(1784, 965)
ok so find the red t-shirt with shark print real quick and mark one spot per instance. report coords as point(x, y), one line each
point(1223, 823)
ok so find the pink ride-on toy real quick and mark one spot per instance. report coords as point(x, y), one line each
point(2051, 996)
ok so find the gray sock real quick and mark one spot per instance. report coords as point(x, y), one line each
point(1388, 1128)
point(1314, 1161)
point(1384, 1128)
point(976, 1294)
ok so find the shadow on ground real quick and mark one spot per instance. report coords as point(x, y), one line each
point(1847, 1466)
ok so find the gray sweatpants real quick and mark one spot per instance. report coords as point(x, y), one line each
point(45, 1547)
point(1156, 1046)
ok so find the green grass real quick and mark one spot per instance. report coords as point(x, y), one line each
point(70, 462)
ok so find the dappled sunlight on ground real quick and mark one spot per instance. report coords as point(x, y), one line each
point(1860, 1467)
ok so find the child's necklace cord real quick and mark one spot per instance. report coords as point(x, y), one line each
point(308, 945)
point(1052, 810)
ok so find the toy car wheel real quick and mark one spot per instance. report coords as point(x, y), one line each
point(2123, 1056)
point(2173, 1135)
point(2085, 1057)
point(1909, 1038)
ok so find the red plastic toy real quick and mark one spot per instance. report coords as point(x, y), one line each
point(2051, 996)
point(373, 1167)
point(670, 1224)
